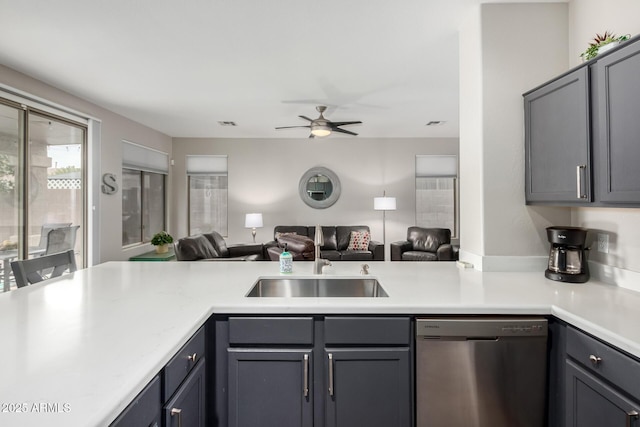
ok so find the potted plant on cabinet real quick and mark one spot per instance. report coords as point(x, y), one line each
point(602, 43)
point(161, 241)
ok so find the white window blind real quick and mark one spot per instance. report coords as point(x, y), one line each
point(206, 165)
point(437, 166)
point(139, 157)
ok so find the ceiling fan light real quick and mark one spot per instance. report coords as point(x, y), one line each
point(320, 130)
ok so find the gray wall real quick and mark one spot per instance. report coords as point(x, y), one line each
point(588, 17)
point(500, 58)
point(264, 176)
point(115, 128)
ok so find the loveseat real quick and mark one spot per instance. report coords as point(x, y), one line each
point(212, 246)
point(425, 244)
point(299, 240)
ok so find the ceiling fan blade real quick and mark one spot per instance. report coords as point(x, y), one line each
point(344, 123)
point(291, 127)
point(306, 118)
point(311, 135)
point(343, 131)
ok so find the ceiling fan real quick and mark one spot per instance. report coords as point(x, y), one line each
point(322, 127)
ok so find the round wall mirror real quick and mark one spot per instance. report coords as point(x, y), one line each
point(319, 188)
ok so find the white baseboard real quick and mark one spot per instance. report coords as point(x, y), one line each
point(601, 272)
point(505, 263)
point(615, 276)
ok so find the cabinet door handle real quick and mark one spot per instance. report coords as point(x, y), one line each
point(595, 360)
point(178, 412)
point(632, 415)
point(192, 357)
point(305, 386)
point(330, 374)
point(579, 174)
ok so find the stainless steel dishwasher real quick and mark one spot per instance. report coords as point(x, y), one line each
point(481, 372)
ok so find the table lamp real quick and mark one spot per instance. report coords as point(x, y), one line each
point(253, 221)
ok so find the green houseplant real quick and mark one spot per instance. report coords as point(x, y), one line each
point(601, 40)
point(161, 241)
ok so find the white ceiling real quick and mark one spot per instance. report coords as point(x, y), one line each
point(182, 66)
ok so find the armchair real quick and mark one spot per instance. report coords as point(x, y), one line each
point(425, 244)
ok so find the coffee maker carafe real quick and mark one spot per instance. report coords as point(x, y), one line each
point(568, 255)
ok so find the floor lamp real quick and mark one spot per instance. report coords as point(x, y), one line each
point(384, 204)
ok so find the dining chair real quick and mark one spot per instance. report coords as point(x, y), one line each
point(61, 239)
point(29, 271)
point(46, 228)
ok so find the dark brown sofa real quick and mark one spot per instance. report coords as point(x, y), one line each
point(212, 247)
point(425, 244)
point(336, 241)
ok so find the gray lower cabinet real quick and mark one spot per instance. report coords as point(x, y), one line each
point(313, 371)
point(591, 402)
point(557, 141)
point(618, 127)
point(145, 410)
point(557, 343)
point(186, 408)
point(368, 387)
point(176, 396)
point(270, 387)
point(602, 384)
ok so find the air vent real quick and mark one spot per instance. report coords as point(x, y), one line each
point(436, 123)
point(227, 123)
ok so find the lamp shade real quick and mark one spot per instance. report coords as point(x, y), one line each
point(253, 220)
point(384, 203)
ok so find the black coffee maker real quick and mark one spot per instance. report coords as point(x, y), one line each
point(568, 255)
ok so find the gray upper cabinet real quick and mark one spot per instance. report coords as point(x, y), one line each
point(582, 134)
point(618, 125)
point(557, 142)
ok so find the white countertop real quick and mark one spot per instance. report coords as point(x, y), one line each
point(85, 344)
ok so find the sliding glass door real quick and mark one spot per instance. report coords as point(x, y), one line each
point(12, 120)
point(42, 186)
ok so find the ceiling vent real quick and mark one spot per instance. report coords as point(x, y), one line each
point(227, 123)
point(436, 123)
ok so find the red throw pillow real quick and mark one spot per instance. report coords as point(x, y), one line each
point(359, 241)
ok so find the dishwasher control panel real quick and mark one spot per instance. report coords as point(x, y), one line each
point(481, 327)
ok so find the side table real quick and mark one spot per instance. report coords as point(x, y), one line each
point(153, 256)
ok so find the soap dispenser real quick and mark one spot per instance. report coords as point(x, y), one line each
point(286, 261)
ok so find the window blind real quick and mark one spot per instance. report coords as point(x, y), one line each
point(206, 165)
point(139, 157)
point(437, 166)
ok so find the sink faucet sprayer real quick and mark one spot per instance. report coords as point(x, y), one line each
point(319, 263)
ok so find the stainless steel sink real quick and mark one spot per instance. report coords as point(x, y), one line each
point(317, 287)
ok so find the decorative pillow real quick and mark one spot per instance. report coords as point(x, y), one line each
point(359, 241)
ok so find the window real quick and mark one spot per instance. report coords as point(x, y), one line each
point(436, 192)
point(208, 193)
point(143, 193)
